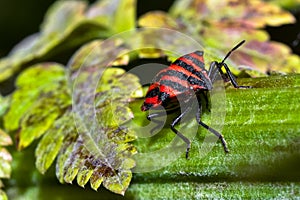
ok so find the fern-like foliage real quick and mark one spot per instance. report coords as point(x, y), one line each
point(45, 110)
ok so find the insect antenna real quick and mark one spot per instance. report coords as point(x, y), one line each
point(233, 49)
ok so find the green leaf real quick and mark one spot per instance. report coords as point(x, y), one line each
point(45, 109)
point(288, 4)
point(124, 16)
point(51, 143)
point(62, 158)
point(158, 19)
point(69, 24)
point(32, 84)
point(96, 182)
point(84, 175)
point(42, 115)
point(41, 86)
point(115, 85)
point(4, 104)
point(3, 195)
point(68, 14)
point(119, 182)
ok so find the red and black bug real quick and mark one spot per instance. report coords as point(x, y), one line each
point(186, 76)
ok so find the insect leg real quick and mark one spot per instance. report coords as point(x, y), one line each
point(203, 95)
point(213, 70)
point(151, 117)
point(231, 77)
point(185, 139)
point(216, 133)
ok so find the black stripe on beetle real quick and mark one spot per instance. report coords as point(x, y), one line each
point(184, 65)
point(191, 69)
point(174, 85)
point(171, 72)
point(154, 92)
point(197, 62)
point(163, 96)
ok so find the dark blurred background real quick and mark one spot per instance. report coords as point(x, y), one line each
point(19, 18)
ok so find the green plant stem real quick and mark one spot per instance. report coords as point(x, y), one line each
point(262, 129)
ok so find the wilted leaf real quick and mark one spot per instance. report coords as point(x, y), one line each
point(74, 160)
point(236, 21)
point(105, 159)
point(266, 57)
point(255, 14)
point(100, 153)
